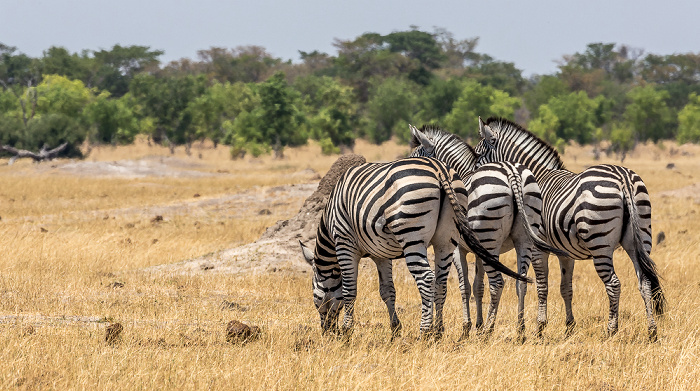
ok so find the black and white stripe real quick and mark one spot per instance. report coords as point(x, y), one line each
point(503, 205)
point(587, 214)
point(388, 211)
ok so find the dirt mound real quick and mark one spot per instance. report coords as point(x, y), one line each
point(278, 248)
point(303, 225)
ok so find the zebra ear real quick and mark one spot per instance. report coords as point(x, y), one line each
point(486, 132)
point(308, 254)
point(427, 144)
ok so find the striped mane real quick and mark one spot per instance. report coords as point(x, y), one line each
point(511, 133)
point(442, 138)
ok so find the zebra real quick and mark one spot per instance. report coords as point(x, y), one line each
point(387, 211)
point(587, 214)
point(504, 206)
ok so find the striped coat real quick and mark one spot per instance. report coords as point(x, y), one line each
point(388, 211)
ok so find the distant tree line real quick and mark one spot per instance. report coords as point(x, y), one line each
point(371, 88)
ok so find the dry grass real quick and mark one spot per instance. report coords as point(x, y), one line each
point(73, 249)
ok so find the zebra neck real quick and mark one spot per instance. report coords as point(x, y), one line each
point(461, 158)
point(325, 246)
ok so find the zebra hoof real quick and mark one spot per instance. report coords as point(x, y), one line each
point(540, 329)
point(395, 331)
point(653, 334)
point(570, 328)
point(466, 328)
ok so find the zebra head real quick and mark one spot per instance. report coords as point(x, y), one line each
point(433, 142)
point(421, 144)
point(504, 140)
point(487, 148)
point(327, 292)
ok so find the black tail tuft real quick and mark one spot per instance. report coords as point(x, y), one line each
point(651, 274)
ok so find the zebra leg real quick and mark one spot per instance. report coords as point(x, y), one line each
point(523, 265)
point(495, 289)
point(566, 266)
point(443, 262)
point(479, 293)
point(606, 272)
point(348, 269)
point(417, 262)
point(465, 290)
point(388, 293)
point(540, 265)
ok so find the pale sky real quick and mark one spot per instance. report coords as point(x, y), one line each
point(532, 34)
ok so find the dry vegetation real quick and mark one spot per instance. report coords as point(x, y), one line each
point(77, 247)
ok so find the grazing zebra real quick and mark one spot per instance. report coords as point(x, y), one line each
point(503, 205)
point(387, 211)
point(587, 214)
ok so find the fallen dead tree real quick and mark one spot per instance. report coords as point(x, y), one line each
point(44, 154)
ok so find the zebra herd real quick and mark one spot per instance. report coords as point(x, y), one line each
point(511, 191)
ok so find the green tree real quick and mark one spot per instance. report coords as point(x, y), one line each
point(420, 47)
point(577, 116)
point(391, 106)
point(58, 61)
point(167, 100)
point(278, 114)
point(437, 99)
point(118, 66)
point(545, 126)
point(689, 121)
point(648, 115)
point(478, 100)
point(111, 120)
point(331, 109)
point(221, 102)
point(497, 74)
point(543, 88)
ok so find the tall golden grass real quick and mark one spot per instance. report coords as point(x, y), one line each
point(73, 249)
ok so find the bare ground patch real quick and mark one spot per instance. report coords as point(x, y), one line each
point(278, 248)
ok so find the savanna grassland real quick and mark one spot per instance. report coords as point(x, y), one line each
point(77, 246)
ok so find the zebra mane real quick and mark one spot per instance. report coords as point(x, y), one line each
point(441, 137)
point(515, 134)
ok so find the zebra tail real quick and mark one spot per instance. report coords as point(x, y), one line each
point(516, 185)
point(468, 235)
point(646, 264)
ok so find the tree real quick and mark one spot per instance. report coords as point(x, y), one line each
point(478, 100)
point(58, 61)
point(418, 46)
point(689, 121)
point(111, 120)
point(497, 74)
point(648, 115)
point(577, 116)
point(545, 126)
point(365, 59)
point(437, 99)
point(278, 114)
point(332, 111)
point(17, 69)
point(166, 100)
point(118, 66)
point(542, 89)
point(391, 105)
point(221, 102)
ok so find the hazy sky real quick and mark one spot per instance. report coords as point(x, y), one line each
point(531, 34)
